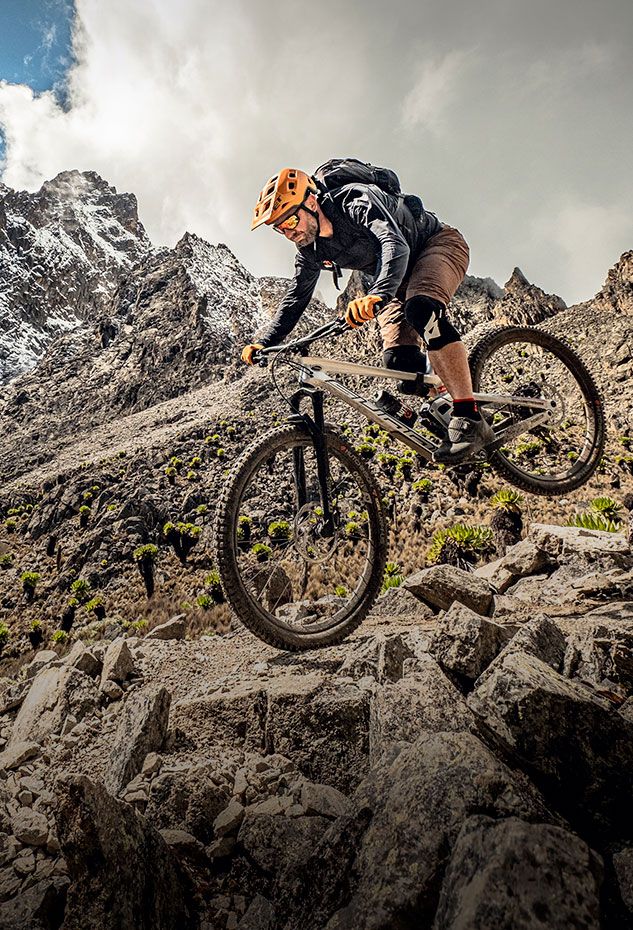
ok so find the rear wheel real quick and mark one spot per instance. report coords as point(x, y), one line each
point(292, 582)
point(563, 454)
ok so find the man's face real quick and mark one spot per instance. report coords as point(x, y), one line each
point(305, 232)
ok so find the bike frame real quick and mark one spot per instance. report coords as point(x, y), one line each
point(316, 379)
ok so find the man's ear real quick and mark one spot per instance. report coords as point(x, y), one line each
point(311, 202)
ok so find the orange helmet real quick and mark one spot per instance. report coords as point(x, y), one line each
point(284, 192)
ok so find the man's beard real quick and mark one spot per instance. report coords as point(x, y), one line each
point(310, 234)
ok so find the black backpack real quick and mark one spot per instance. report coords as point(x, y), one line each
point(337, 172)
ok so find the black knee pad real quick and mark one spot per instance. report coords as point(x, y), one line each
point(428, 317)
point(407, 358)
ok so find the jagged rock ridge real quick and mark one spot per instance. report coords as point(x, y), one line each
point(62, 253)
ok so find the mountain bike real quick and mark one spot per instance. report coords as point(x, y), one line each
point(301, 535)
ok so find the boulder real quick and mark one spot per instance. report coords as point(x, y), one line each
point(54, 694)
point(118, 663)
point(601, 650)
point(83, 660)
point(539, 637)
point(380, 867)
point(380, 656)
point(19, 752)
point(142, 728)
point(30, 827)
point(514, 874)
point(276, 843)
point(563, 542)
point(121, 870)
point(441, 585)
point(323, 728)
point(530, 557)
point(424, 700)
point(398, 603)
point(623, 867)
point(234, 718)
point(175, 628)
point(578, 751)
point(466, 643)
point(260, 915)
point(38, 907)
point(42, 658)
point(188, 800)
point(323, 801)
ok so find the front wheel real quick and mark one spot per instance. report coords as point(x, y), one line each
point(295, 582)
point(549, 459)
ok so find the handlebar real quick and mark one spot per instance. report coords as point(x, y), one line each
point(334, 328)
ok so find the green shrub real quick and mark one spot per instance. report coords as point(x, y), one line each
point(507, 499)
point(244, 528)
point(96, 606)
point(171, 473)
point(205, 601)
point(212, 581)
point(29, 581)
point(6, 560)
point(111, 507)
point(195, 462)
point(10, 525)
point(59, 637)
point(593, 521)
point(36, 633)
point(460, 545)
point(219, 453)
point(279, 530)
point(202, 509)
point(191, 475)
point(80, 589)
point(340, 590)
point(422, 486)
point(175, 462)
point(5, 633)
point(262, 552)
point(366, 449)
point(147, 553)
point(392, 577)
point(607, 508)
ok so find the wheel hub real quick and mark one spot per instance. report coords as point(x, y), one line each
point(308, 539)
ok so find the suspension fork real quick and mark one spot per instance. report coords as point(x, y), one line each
point(316, 428)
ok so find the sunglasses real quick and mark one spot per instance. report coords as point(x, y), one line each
point(291, 222)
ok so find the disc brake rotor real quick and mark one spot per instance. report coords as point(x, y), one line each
point(308, 541)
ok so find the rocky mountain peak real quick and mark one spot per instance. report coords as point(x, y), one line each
point(516, 282)
point(617, 291)
point(63, 251)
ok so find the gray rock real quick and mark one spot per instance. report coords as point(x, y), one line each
point(561, 542)
point(38, 907)
point(539, 637)
point(122, 872)
point(601, 650)
point(230, 819)
point(322, 727)
point(324, 801)
point(112, 690)
point(578, 751)
point(83, 660)
point(190, 799)
point(259, 916)
point(17, 754)
point(386, 859)
point(466, 643)
point(519, 875)
point(276, 843)
point(441, 585)
point(380, 656)
point(401, 604)
point(30, 827)
point(229, 719)
point(497, 576)
point(42, 658)
point(54, 694)
point(175, 628)
point(118, 664)
point(623, 866)
point(424, 701)
point(142, 728)
point(529, 558)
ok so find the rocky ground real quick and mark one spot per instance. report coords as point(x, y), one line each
point(464, 760)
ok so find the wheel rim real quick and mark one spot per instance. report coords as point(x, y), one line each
point(304, 582)
point(560, 449)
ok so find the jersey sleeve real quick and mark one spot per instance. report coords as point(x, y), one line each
point(365, 207)
point(295, 301)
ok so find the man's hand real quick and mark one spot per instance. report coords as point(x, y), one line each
point(362, 309)
point(249, 350)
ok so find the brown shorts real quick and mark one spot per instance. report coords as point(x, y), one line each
point(438, 272)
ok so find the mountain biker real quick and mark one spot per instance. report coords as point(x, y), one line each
point(417, 263)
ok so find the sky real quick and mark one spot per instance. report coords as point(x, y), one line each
point(510, 118)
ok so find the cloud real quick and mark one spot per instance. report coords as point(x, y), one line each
point(428, 102)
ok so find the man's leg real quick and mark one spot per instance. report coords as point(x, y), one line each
point(437, 274)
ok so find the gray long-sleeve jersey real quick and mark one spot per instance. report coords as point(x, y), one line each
point(374, 232)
